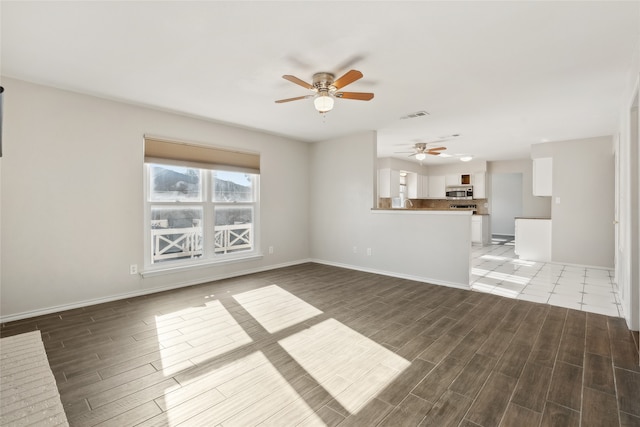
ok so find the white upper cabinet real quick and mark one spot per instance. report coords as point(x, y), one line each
point(414, 185)
point(543, 176)
point(425, 186)
point(479, 182)
point(417, 186)
point(459, 179)
point(437, 184)
point(388, 183)
point(452, 179)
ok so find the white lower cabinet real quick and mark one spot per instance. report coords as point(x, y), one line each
point(480, 229)
point(533, 239)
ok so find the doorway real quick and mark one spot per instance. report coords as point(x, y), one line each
point(506, 204)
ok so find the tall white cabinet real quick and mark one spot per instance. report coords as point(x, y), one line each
point(479, 182)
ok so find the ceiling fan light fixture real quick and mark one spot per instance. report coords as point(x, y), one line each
point(421, 156)
point(466, 158)
point(323, 102)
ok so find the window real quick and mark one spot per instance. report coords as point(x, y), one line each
point(199, 213)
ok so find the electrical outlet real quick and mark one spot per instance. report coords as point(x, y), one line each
point(133, 269)
point(270, 250)
point(368, 251)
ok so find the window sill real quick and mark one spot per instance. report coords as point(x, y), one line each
point(162, 270)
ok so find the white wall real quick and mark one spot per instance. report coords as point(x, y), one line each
point(583, 182)
point(432, 248)
point(506, 202)
point(72, 197)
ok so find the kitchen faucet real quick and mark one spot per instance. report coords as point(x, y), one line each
point(410, 202)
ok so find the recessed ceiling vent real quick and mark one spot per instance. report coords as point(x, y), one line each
point(414, 115)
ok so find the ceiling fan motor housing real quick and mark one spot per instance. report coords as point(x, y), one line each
point(323, 82)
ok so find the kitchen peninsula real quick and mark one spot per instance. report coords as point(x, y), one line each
point(477, 209)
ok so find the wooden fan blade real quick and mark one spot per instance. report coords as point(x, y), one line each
point(294, 79)
point(280, 101)
point(347, 78)
point(360, 96)
point(437, 148)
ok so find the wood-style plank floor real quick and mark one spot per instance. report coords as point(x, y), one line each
point(320, 345)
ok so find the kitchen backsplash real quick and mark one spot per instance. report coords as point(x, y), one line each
point(385, 203)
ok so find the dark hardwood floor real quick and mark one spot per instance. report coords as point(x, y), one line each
point(320, 345)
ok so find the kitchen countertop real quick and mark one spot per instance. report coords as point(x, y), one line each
point(427, 209)
point(533, 217)
point(423, 211)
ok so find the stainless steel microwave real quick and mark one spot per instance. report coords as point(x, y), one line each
point(458, 192)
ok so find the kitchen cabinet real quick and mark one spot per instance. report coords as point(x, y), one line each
point(388, 183)
point(437, 186)
point(480, 229)
point(452, 179)
point(414, 185)
point(479, 183)
point(424, 193)
point(459, 179)
point(533, 239)
point(417, 186)
point(543, 176)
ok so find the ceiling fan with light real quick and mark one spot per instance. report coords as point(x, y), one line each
point(421, 149)
point(326, 88)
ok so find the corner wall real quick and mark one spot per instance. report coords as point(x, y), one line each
point(72, 198)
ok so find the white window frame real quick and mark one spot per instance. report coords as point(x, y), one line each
point(209, 254)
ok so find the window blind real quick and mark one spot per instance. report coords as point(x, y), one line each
point(184, 154)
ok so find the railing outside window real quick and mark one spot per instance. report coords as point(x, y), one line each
point(230, 238)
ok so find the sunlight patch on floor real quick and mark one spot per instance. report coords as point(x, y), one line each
point(523, 262)
point(257, 391)
point(350, 366)
point(275, 308)
point(493, 258)
point(189, 336)
point(504, 292)
point(482, 287)
point(505, 277)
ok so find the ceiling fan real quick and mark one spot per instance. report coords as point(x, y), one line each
point(421, 149)
point(326, 89)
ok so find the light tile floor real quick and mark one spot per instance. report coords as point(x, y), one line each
point(497, 270)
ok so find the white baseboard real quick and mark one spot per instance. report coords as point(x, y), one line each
point(141, 292)
point(392, 274)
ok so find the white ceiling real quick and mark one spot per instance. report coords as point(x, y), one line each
point(504, 75)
